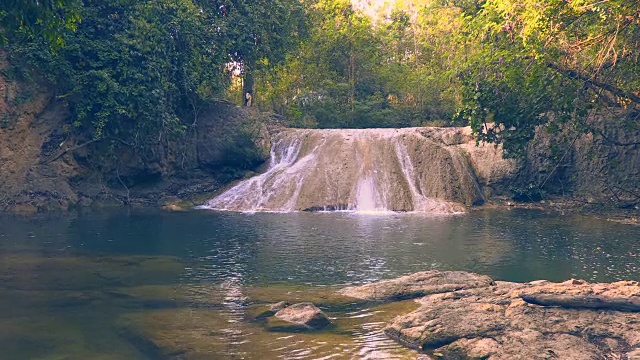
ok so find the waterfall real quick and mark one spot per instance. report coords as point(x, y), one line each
point(429, 170)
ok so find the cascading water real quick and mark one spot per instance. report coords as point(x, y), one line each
point(370, 170)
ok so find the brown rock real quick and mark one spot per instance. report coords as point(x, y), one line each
point(272, 309)
point(304, 314)
point(444, 322)
point(634, 355)
point(472, 349)
point(493, 322)
point(279, 306)
point(418, 285)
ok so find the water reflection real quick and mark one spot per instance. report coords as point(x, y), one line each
point(325, 248)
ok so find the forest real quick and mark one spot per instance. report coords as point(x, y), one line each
point(320, 179)
point(143, 70)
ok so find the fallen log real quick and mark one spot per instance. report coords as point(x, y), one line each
point(583, 301)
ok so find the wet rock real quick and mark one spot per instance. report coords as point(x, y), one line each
point(173, 207)
point(479, 348)
point(279, 306)
point(418, 285)
point(431, 327)
point(494, 322)
point(634, 355)
point(272, 309)
point(304, 316)
point(423, 357)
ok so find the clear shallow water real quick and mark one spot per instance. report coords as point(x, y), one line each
point(166, 285)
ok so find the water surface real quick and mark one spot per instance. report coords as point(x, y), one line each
point(146, 285)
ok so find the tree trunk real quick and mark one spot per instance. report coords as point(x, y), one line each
point(247, 89)
point(352, 79)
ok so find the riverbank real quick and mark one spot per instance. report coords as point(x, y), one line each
point(623, 213)
point(469, 316)
point(44, 168)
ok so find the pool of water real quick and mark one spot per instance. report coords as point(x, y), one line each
point(155, 285)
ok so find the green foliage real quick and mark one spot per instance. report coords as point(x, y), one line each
point(259, 32)
point(536, 61)
point(339, 77)
point(132, 69)
point(142, 70)
point(352, 73)
point(48, 20)
point(241, 153)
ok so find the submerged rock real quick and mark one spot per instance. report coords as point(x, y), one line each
point(303, 316)
point(271, 309)
point(418, 285)
point(492, 321)
point(279, 306)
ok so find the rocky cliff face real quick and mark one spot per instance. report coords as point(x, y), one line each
point(600, 166)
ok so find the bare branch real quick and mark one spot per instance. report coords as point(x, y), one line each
point(74, 148)
point(573, 74)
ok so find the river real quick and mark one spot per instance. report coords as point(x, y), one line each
point(154, 285)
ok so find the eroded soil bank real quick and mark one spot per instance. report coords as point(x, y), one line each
point(468, 316)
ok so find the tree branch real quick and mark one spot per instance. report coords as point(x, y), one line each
point(573, 74)
point(74, 148)
point(617, 143)
point(627, 191)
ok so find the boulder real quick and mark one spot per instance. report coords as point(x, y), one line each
point(304, 316)
point(460, 318)
point(418, 285)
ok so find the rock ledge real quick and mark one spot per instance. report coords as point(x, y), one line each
point(418, 285)
point(469, 316)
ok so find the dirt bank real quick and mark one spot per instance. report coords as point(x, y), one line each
point(45, 165)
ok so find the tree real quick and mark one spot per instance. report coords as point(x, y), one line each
point(34, 18)
point(543, 60)
point(134, 70)
point(332, 80)
point(257, 34)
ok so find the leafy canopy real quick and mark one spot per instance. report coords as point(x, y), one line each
point(36, 18)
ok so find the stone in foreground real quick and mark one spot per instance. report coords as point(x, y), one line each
point(302, 316)
point(418, 285)
point(494, 322)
